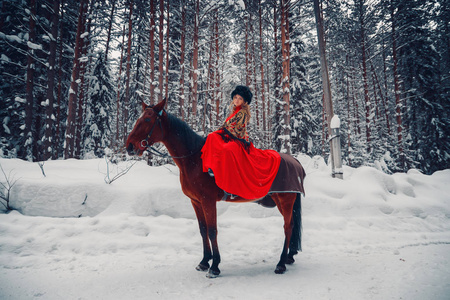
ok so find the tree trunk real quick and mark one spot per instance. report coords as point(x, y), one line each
point(324, 68)
point(119, 80)
point(74, 85)
point(48, 150)
point(277, 107)
point(385, 102)
point(195, 63)
point(324, 126)
point(336, 165)
point(182, 54)
point(209, 82)
point(285, 81)
point(28, 135)
point(377, 111)
point(366, 87)
point(356, 111)
point(349, 130)
point(277, 75)
point(269, 106)
point(161, 51)
point(56, 141)
point(152, 50)
point(167, 50)
point(81, 111)
point(110, 22)
point(253, 66)
point(247, 52)
point(398, 104)
point(263, 96)
point(128, 74)
point(217, 68)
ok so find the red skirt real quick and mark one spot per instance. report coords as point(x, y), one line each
point(248, 173)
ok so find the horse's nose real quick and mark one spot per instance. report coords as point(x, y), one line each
point(130, 149)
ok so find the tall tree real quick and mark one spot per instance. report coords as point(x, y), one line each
point(161, 51)
point(128, 72)
point(328, 104)
point(69, 151)
point(152, 49)
point(110, 25)
point(182, 58)
point(98, 131)
point(195, 58)
point(424, 102)
point(397, 92)
point(48, 145)
point(28, 132)
point(285, 81)
point(261, 64)
point(167, 51)
point(362, 23)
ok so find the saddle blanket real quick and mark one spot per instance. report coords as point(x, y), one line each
point(289, 179)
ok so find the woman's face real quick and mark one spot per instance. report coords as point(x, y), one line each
point(238, 100)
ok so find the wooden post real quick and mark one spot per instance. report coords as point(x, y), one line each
point(335, 146)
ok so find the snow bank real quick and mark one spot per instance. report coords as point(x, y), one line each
point(368, 236)
point(75, 188)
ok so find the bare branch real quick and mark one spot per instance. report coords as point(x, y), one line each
point(9, 183)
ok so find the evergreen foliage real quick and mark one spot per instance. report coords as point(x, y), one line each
point(229, 49)
point(98, 127)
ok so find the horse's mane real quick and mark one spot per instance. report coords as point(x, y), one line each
point(192, 140)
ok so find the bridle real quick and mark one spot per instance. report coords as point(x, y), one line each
point(153, 150)
point(144, 142)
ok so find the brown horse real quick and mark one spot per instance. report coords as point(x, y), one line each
point(184, 146)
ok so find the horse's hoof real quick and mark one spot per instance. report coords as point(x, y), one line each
point(290, 260)
point(280, 269)
point(212, 273)
point(202, 267)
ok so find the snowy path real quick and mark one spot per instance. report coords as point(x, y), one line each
point(370, 236)
point(127, 257)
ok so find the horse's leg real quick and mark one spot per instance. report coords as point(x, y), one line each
point(295, 244)
point(210, 211)
point(285, 204)
point(204, 264)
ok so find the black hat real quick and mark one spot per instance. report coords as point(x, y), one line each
point(244, 92)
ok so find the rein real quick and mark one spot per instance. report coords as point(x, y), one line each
point(153, 150)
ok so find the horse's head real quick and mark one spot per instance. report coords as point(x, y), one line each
point(147, 130)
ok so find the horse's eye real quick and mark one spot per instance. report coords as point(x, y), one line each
point(147, 119)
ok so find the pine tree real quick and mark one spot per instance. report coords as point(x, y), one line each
point(48, 151)
point(98, 120)
point(13, 50)
point(419, 69)
point(303, 123)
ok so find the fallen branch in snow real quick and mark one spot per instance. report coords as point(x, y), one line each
point(112, 160)
point(41, 165)
point(7, 186)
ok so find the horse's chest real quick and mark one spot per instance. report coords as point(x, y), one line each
point(192, 186)
point(188, 185)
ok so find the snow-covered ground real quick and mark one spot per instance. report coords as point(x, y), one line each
point(369, 236)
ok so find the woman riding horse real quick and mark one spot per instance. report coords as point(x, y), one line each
point(184, 145)
point(238, 167)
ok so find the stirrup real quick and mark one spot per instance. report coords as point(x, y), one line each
point(225, 196)
point(210, 172)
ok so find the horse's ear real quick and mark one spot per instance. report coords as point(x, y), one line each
point(160, 106)
point(144, 106)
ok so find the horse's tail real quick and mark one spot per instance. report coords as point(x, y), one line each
point(295, 244)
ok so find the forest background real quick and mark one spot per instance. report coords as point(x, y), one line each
point(73, 75)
